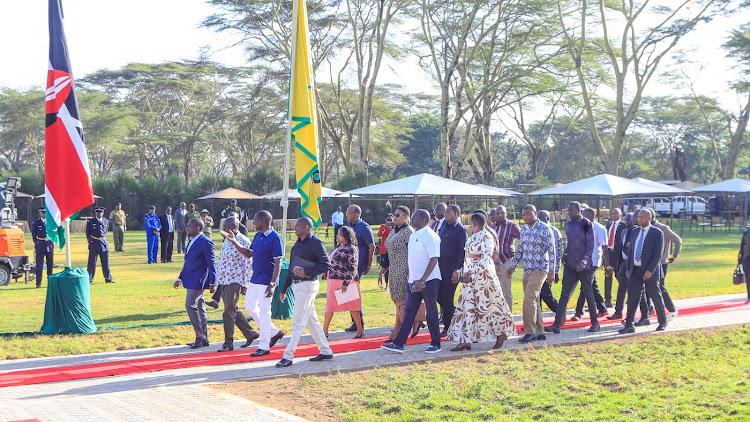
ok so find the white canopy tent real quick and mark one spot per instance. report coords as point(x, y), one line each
point(668, 188)
point(294, 194)
point(427, 185)
point(508, 191)
point(607, 185)
point(730, 187)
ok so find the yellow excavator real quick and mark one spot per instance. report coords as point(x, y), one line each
point(14, 263)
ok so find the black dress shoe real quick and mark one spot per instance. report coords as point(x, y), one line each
point(321, 357)
point(250, 340)
point(616, 315)
point(661, 327)
point(541, 337)
point(214, 304)
point(352, 328)
point(643, 322)
point(275, 338)
point(527, 338)
point(608, 304)
point(283, 363)
point(198, 346)
point(552, 329)
point(627, 329)
point(260, 352)
point(226, 348)
point(443, 333)
point(110, 281)
point(594, 328)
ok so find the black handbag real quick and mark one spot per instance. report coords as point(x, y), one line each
point(739, 275)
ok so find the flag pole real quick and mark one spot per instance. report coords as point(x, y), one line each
point(287, 158)
point(66, 227)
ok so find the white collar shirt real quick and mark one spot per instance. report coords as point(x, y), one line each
point(424, 244)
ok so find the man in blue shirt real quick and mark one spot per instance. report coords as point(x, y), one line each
point(267, 250)
point(152, 225)
point(452, 242)
point(96, 233)
point(365, 244)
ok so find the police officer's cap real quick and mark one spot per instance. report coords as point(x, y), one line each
point(41, 209)
point(99, 209)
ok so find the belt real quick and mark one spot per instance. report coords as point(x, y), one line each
point(99, 238)
point(42, 239)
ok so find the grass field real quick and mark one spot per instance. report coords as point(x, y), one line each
point(699, 375)
point(143, 294)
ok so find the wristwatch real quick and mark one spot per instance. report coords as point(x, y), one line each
point(585, 262)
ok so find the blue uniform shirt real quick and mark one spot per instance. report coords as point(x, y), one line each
point(266, 247)
point(150, 223)
point(39, 234)
point(96, 233)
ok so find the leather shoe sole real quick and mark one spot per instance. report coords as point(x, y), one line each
point(260, 352)
point(627, 330)
point(661, 327)
point(642, 323)
point(552, 329)
point(225, 349)
point(614, 316)
point(196, 346)
point(594, 329)
point(283, 363)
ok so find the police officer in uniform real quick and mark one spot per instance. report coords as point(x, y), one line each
point(43, 247)
point(96, 233)
point(232, 207)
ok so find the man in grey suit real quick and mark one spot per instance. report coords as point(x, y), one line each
point(180, 227)
point(669, 237)
point(644, 270)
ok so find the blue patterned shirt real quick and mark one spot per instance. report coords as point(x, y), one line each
point(536, 248)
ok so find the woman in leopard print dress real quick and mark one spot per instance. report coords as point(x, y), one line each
point(396, 245)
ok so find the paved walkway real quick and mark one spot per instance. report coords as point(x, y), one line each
point(182, 393)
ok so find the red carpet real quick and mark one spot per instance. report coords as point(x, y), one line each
point(68, 373)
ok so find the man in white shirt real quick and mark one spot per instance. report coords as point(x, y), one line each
point(601, 254)
point(337, 220)
point(424, 283)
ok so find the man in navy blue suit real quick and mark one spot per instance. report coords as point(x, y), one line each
point(96, 233)
point(197, 275)
point(644, 270)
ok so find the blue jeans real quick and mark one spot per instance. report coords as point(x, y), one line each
point(413, 300)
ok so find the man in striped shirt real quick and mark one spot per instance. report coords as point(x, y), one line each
point(507, 233)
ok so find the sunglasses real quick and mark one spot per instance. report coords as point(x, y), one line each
point(399, 215)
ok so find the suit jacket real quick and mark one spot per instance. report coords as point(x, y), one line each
point(669, 237)
point(199, 270)
point(95, 229)
point(616, 253)
point(179, 220)
point(165, 225)
point(651, 252)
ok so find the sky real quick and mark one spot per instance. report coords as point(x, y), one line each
point(110, 34)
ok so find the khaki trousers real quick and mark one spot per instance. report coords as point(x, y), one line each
point(532, 312)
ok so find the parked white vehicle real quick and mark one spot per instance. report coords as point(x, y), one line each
point(690, 205)
point(660, 205)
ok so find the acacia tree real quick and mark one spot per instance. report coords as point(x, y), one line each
point(22, 128)
point(634, 53)
point(738, 46)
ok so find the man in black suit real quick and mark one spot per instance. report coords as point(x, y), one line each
point(623, 246)
point(167, 235)
point(614, 248)
point(644, 270)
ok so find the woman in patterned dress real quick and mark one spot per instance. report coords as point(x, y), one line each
point(481, 313)
point(342, 275)
point(396, 245)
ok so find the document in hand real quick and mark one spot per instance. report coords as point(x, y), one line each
point(352, 293)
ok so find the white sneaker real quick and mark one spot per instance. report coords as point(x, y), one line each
point(672, 315)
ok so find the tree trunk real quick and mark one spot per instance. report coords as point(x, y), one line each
point(735, 142)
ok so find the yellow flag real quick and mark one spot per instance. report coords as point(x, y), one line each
point(304, 126)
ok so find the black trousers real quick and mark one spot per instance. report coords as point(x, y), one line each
point(614, 261)
point(571, 277)
point(746, 269)
point(40, 255)
point(664, 293)
point(446, 299)
point(636, 285)
point(104, 256)
point(622, 287)
point(167, 243)
point(547, 297)
point(597, 297)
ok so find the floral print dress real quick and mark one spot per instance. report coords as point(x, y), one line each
point(481, 313)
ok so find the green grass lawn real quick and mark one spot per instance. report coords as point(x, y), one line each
point(143, 294)
point(699, 375)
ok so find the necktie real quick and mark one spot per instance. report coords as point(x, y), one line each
point(612, 230)
point(639, 245)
